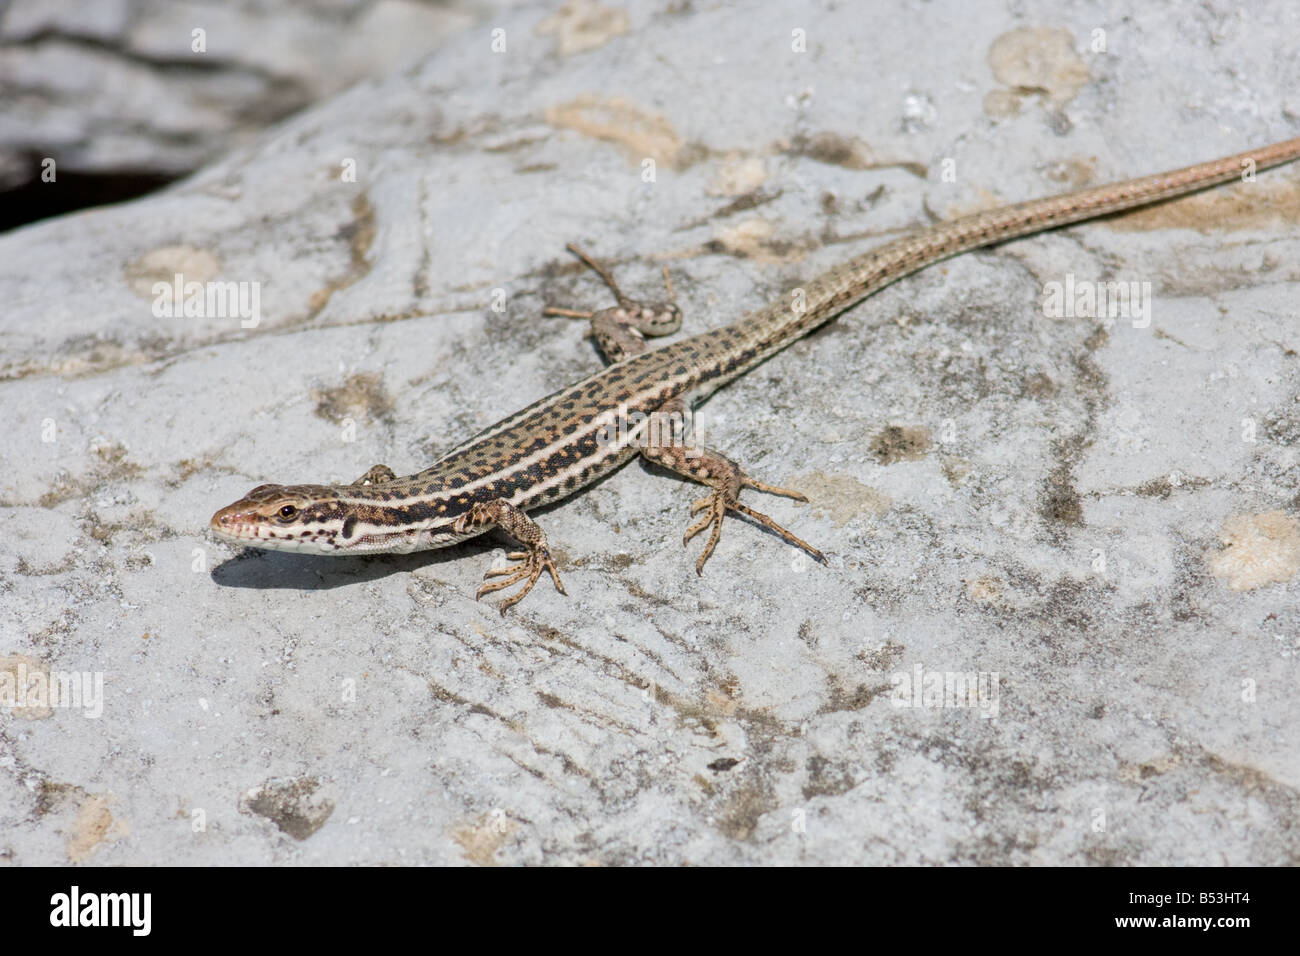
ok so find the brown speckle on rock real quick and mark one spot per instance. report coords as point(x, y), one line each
point(291, 804)
point(361, 396)
point(901, 443)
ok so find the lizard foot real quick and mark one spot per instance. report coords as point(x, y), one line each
point(532, 564)
point(716, 506)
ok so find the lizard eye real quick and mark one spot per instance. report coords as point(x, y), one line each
point(287, 513)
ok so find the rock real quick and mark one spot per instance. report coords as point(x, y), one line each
point(157, 88)
point(1019, 652)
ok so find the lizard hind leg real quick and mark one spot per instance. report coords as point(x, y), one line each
point(377, 475)
point(726, 478)
point(621, 330)
point(717, 504)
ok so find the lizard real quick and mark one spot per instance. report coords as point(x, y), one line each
point(562, 443)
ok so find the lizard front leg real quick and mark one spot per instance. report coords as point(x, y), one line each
point(537, 558)
point(720, 473)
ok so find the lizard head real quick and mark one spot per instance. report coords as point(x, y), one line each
point(308, 518)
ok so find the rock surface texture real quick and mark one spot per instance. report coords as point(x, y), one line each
point(1091, 518)
point(155, 88)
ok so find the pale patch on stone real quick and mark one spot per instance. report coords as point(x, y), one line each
point(1072, 173)
point(484, 837)
point(749, 239)
point(1036, 60)
point(10, 668)
point(1155, 767)
point(985, 590)
point(1258, 550)
point(583, 25)
point(955, 470)
point(737, 176)
point(93, 827)
point(1000, 104)
point(841, 497)
point(721, 702)
point(164, 263)
point(640, 133)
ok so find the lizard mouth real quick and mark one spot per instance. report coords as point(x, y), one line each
point(232, 523)
point(237, 525)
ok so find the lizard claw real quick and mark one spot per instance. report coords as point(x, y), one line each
point(719, 503)
point(532, 564)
